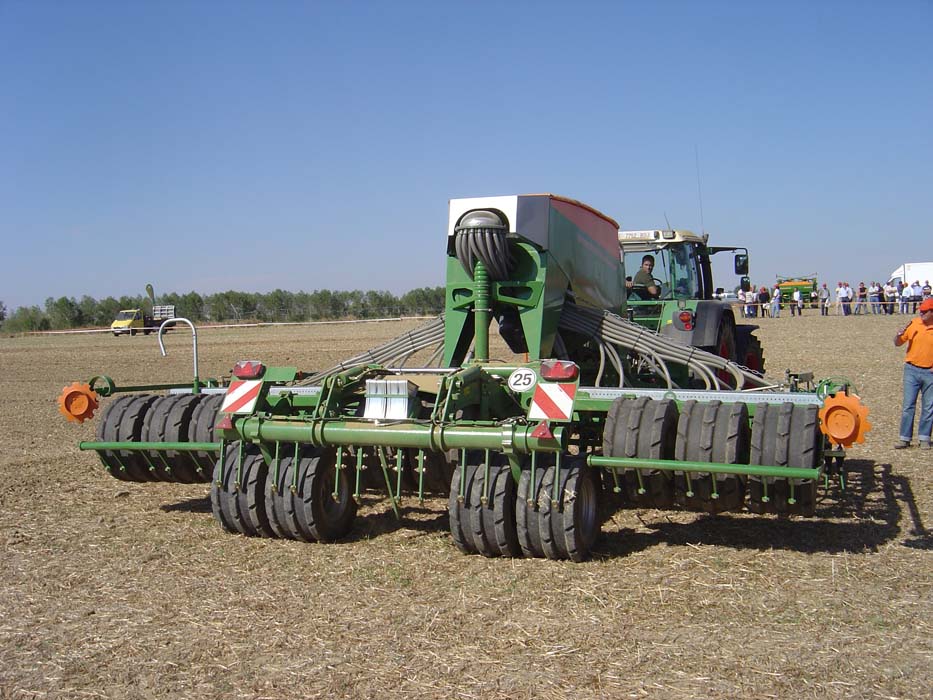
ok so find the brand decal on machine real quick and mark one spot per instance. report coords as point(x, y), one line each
point(552, 402)
point(241, 396)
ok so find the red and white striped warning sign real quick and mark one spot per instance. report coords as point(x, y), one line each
point(241, 396)
point(552, 402)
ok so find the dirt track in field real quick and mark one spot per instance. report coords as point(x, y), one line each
point(119, 590)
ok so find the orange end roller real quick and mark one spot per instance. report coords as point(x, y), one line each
point(77, 402)
point(844, 419)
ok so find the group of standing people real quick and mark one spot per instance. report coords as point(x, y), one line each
point(876, 298)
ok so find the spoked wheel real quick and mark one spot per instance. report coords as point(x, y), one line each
point(711, 432)
point(784, 435)
point(645, 429)
point(326, 508)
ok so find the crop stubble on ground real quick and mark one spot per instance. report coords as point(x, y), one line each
point(121, 590)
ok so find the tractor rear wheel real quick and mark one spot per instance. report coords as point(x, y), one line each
point(711, 432)
point(725, 348)
point(325, 505)
point(645, 429)
point(785, 435)
point(749, 352)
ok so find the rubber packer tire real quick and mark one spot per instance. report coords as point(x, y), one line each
point(220, 504)
point(457, 511)
point(130, 429)
point(326, 518)
point(527, 522)
point(275, 500)
point(712, 432)
point(154, 431)
point(177, 429)
point(107, 432)
point(785, 435)
point(249, 499)
point(575, 525)
point(645, 429)
point(203, 420)
point(492, 525)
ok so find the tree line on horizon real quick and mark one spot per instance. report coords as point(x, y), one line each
point(224, 307)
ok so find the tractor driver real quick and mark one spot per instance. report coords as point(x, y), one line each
point(644, 284)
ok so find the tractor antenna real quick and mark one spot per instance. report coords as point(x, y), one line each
point(667, 222)
point(696, 151)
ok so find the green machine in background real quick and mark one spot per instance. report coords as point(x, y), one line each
point(588, 407)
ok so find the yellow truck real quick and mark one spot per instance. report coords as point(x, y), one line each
point(131, 321)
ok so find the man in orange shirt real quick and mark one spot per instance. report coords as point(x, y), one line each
point(918, 377)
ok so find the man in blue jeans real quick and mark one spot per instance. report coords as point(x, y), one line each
point(918, 377)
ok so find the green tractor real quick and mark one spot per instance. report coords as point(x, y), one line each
point(527, 451)
point(683, 303)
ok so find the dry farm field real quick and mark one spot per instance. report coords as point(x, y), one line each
point(119, 590)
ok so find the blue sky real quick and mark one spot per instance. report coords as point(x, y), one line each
point(308, 145)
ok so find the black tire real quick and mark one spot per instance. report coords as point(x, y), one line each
point(492, 524)
point(130, 429)
point(133, 332)
point(203, 420)
point(457, 509)
point(249, 499)
point(748, 351)
point(725, 348)
point(712, 432)
point(154, 425)
point(327, 518)
point(527, 520)
point(287, 503)
point(785, 435)
point(645, 429)
point(548, 509)
point(575, 525)
point(177, 429)
point(221, 505)
point(107, 431)
point(275, 505)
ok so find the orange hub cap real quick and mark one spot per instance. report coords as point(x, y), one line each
point(77, 402)
point(844, 419)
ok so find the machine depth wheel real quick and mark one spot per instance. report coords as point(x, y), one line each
point(712, 432)
point(646, 429)
point(325, 517)
point(785, 435)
